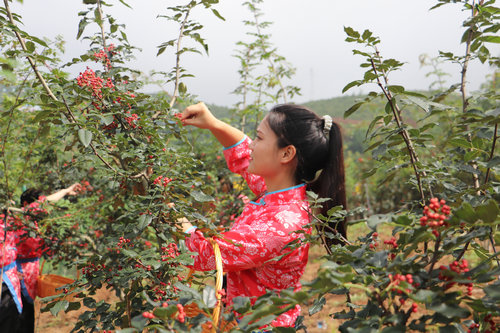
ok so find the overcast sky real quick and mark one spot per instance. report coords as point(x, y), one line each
point(308, 33)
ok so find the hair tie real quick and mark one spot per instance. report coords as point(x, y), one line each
point(328, 126)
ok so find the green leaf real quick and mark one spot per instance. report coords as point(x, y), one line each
point(488, 212)
point(209, 297)
point(144, 221)
point(139, 322)
point(73, 306)
point(450, 310)
point(490, 39)
point(352, 84)
point(216, 13)
point(317, 305)
point(108, 119)
point(396, 89)
point(241, 304)
point(459, 142)
point(374, 220)
point(98, 17)
point(424, 296)
point(85, 137)
point(200, 196)
point(449, 329)
point(81, 27)
point(30, 46)
point(165, 313)
point(466, 212)
point(125, 4)
point(59, 306)
point(351, 32)
point(493, 291)
point(493, 162)
point(352, 109)
point(424, 105)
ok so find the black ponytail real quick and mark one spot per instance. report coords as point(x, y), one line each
point(331, 184)
point(316, 150)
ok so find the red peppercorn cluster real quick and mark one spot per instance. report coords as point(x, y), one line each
point(435, 215)
point(181, 315)
point(131, 119)
point(408, 278)
point(459, 268)
point(474, 327)
point(148, 315)
point(374, 242)
point(103, 55)
point(169, 252)
point(123, 242)
point(90, 269)
point(222, 294)
point(393, 242)
point(162, 180)
point(91, 80)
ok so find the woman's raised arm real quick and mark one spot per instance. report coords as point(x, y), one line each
point(199, 115)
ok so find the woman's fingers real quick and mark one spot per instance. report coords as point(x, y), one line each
point(197, 115)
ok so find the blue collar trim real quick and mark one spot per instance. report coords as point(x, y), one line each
point(262, 202)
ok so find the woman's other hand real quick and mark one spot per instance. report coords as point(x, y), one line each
point(198, 115)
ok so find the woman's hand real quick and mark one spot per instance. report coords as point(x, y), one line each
point(198, 115)
point(183, 224)
point(74, 189)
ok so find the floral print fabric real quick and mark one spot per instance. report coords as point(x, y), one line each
point(261, 233)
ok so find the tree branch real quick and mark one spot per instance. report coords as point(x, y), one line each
point(177, 65)
point(404, 133)
point(463, 82)
point(492, 152)
point(25, 49)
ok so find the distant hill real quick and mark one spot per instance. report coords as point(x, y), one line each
point(335, 107)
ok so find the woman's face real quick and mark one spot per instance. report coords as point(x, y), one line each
point(265, 155)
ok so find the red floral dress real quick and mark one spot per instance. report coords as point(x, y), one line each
point(261, 233)
point(8, 253)
point(29, 251)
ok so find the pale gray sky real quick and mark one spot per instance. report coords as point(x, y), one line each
point(308, 33)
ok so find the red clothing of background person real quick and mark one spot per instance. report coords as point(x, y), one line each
point(262, 232)
point(29, 251)
point(8, 253)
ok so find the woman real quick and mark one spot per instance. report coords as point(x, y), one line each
point(30, 249)
point(294, 151)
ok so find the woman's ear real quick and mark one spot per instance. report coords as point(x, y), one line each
point(288, 154)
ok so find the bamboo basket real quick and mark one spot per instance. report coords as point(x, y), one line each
point(192, 310)
point(48, 283)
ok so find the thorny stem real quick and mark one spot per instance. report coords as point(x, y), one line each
point(177, 64)
point(25, 49)
point(271, 63)
point(342, 238)
point(435, 255)
point(404, 133)
point(492, 152)
point(101, 25)
point(465, 100)
point(178, 59)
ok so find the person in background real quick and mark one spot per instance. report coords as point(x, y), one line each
point(30, 249)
